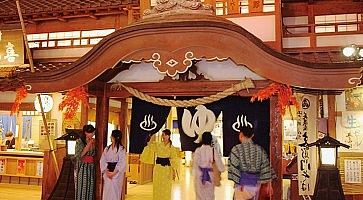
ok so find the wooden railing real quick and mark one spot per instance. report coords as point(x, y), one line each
point(310, 29)
point(68, 42)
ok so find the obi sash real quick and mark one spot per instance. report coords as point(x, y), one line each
point(111, 166)
point(205, 174)
point(249, 178)
point(87, 159)
point(163, 161)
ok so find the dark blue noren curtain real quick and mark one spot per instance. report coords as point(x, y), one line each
point(146, 118)
point(235, 110)
point(187, 143)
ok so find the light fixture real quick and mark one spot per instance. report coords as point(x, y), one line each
point(70, 137)
point(328, 184)
point(353, 51)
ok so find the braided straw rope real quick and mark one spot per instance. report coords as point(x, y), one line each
point(245, 84)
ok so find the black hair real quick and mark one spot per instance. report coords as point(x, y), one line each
point(9, 134)
point(247, 131)
point(168, 132)
point(86, 129)
point(207, 138)
point(117, 134)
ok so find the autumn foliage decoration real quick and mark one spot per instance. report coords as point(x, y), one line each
point(285, 96)
point(21, 93)
point(72, 100)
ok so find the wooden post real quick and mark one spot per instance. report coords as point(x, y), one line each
point(276, 147)
point(331, 116)
point(130, 15)
point(311, 21)
point(102, 112)
point(123, 120)
point(278, 26)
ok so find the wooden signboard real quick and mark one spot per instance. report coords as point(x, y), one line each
point(255, 6)
point(233, 7)
point(11, 48)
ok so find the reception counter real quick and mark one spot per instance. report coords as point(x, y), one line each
point(22, 167)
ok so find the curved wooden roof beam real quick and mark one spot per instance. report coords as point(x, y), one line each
point(202, 36)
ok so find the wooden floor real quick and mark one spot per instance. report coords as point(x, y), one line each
point(182, 189)
point(19, 192)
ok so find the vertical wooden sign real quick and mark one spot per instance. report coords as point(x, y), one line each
point(144, 5)
point(233, 7)
point(255, 6)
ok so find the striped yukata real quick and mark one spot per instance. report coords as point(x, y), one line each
point(249, 158)
point(85, 185)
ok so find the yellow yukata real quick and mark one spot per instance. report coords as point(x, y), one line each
point(162, 175)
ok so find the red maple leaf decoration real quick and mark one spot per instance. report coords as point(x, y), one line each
point(21, 93)
point(71, 101)
point(285, 96)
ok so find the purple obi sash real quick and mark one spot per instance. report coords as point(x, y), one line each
point(249, 178)
point(205, 174)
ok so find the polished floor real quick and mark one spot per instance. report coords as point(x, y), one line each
point(182, 189)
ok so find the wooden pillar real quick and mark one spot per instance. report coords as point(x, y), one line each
point(102, 112)
point(311, 21)
point(276, 147)
point(130, 15)
point(331, 116)
point(144, 5)
point(123, 120)
point(278, 26)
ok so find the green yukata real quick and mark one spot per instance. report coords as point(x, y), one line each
point(85, 172)
point(162, 175)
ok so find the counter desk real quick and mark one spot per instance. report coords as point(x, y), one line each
point(22, 167)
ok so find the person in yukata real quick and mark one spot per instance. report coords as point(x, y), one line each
point(249, 167)
point(166, 160)
point(113, 167)
point(10, 140)
point(204, 156)
point(85, 165)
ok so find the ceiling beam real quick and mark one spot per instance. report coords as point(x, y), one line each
point(321, 8)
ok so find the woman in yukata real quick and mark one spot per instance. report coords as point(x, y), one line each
point(85, 166)
point(166, 160)
point(113, 167)
point(204, 157)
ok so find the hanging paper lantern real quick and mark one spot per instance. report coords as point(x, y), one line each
point(71, 101)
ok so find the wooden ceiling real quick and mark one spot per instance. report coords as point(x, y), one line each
point(62, 10)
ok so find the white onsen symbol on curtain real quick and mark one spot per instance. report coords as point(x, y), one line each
point(205, 118)
point(241, 122)
point(148, 124)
